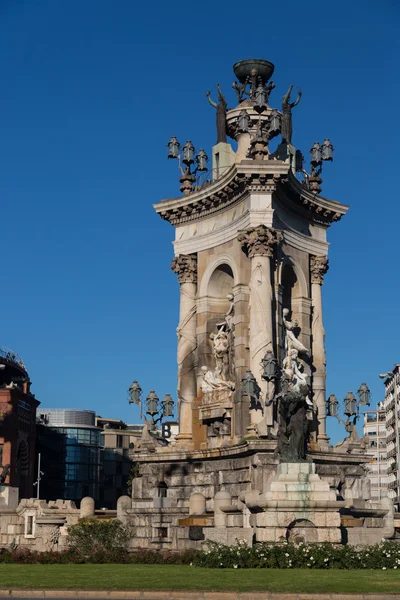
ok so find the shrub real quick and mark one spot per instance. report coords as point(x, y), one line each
point(385, 555)
point(92, 537)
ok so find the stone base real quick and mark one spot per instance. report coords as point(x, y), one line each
point(298, 506)
point(246, 494)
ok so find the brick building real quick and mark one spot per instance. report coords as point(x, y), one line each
point(17, 425)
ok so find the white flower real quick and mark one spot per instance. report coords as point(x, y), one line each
point(191, 564)
point(326, 559)
point(286, 553)
point(395, 567)
point(383, 568)
point(235, 566)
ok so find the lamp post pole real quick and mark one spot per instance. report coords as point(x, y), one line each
point(39, 477)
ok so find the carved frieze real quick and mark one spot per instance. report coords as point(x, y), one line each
point(318, 267)
point(185, 266)
point(259, 241)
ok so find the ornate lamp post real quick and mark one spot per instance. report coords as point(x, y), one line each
point(351, 408)
point(243, 122)
point(153, 405)
point(134, 394)
point(188, 158)
point(250, 388)
point(269, 366)
point(259, 143)
point(319, 153)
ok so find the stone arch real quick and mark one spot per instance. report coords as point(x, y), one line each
point(301, 281)
point(222, 259)
point(302, 531)
point(221, 282)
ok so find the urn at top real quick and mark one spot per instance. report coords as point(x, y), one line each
point(243, 69)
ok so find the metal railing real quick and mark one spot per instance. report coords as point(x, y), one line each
point(206, 178)
point(11, 357)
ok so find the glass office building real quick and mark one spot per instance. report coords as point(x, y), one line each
point(69, 443)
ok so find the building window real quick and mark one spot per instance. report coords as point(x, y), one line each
point(162, 532)
point(162, 489)
point(120, 439)
point(29, 526)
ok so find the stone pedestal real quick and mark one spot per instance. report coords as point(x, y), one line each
point(215, 411)
point(223, 157)
point(298, 506)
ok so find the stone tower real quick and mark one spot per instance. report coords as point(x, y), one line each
point(250, 254)
point(252, 460)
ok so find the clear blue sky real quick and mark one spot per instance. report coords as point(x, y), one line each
point(91, 92)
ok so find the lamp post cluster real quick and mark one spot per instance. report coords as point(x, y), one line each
point(188, 158)
point(319, 154)
point(351, 408)
point(154, 406)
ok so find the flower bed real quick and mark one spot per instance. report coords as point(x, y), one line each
point(385, 555)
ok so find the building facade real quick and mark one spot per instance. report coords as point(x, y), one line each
point(391, 407)
point(17, 426)
point(69, 443)
point(117, 444)
point(374, 430)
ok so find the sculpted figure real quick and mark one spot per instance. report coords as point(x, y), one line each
point(212, 382)
point(221, 354)
point(291, 340)
point(221, 107)
point(230, 314)
point(287, 128)
point(296, 378)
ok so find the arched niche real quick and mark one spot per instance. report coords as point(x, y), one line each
point(302, 531)
point(222, 262)
point(221, 282)
point(292, 278)
point(290, 286)
point(217, 283)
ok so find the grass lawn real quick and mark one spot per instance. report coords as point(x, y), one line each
point(177, 577)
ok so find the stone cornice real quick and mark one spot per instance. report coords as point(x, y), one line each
point(250, 176)
point(323, 211)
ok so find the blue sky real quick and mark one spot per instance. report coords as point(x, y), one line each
point(90, 94)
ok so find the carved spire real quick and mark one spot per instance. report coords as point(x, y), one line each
point(259, 241)
point(185, 266)
point(318, 268)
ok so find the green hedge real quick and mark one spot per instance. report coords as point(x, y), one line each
point(385, 555)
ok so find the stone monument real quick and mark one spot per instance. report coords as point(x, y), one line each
point(250, 255)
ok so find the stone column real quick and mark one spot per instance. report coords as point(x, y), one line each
point(318, 268)
point(186, 268)
point(258, 244)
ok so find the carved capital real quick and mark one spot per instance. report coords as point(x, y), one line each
point(185, 266)
point(259, 241)
point(318, 268)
